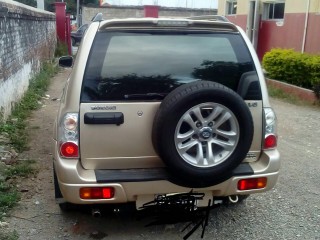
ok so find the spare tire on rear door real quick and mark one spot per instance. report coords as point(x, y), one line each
point(202, 131)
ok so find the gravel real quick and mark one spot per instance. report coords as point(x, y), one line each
point(290, 211)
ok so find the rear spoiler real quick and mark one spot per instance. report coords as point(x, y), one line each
point(210, 18)
point(97, 18)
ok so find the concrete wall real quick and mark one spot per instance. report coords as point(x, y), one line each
point(27, 38)
point(289, 33)
point(292, 6)
point(138, 12)
point(284, 33)
point(240, 18)
point(222, 7)
point(242, 7)
point(298, 6)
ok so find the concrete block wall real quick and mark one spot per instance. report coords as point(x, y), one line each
point(138, 12)
point(27, 38)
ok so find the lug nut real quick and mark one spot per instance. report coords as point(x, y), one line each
point(199, 125)
point(210, 124)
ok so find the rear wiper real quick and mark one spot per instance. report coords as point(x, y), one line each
point(146, 96)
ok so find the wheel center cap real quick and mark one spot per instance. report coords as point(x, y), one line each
point(206, 133)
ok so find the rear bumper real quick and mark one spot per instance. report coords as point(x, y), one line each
point(72, 176)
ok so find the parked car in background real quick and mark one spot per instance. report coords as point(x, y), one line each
point(77, 35)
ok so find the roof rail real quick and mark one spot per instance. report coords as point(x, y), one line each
point(210, 18)
point(97, 18)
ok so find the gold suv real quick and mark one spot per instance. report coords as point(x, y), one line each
point(157, 107)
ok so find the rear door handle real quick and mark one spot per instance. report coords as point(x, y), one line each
point(116, 118)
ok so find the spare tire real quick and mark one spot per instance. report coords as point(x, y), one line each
point(202, 131)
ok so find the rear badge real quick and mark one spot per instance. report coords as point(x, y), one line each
point(140, 113)
point(252, 104)
point(251, 156)
point(113, 108)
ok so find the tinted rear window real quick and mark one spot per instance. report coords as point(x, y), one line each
point(123, 64)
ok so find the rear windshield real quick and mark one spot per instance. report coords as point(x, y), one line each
point(126, 64)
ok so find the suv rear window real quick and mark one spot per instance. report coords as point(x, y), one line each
point(128, 64)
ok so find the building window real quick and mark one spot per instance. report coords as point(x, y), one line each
point(231, 8)
point(274, 10)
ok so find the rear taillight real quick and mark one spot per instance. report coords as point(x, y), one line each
point(252, 183)
point(270, 136)
point(69, 149)
point(270, 141)
point(96, 193)
point(68, 136)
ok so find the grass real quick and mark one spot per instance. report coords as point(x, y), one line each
point(16, 129)
point(23, 169)
point(280, 94)
point(9, 195)
point(8, 199)
point(16, 125)
point(61, 50)
point(9, 236)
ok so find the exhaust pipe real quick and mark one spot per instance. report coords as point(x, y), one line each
point(116, 210)
point(233, 198)
point(96, 213)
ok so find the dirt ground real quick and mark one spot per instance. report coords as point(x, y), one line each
point(290, 211)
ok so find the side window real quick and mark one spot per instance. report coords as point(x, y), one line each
point(231, 7)
point(273, 10)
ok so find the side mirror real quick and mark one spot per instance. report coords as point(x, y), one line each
point(66, 61)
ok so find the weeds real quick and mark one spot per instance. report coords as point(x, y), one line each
point(280, 94)
point(9, 236)
point(8, 197)
point(61, 50)
point(23, 169)
point(8, 193)
point(16, 129)
point(16, 125)
point(8, 200)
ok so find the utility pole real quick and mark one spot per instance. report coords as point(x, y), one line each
point(78, 18)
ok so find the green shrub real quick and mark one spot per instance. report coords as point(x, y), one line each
point(288, 66)
point(314, 66)
point(316, 88)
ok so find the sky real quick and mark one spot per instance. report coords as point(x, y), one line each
point(169, 3)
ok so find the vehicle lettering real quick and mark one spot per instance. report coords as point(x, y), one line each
point(254, 104)
point(104, 108)
point(251, 156)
